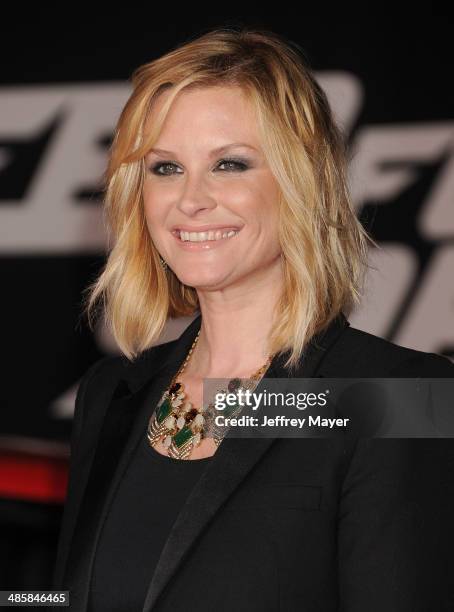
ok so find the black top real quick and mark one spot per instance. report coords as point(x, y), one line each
point(145, 506)
point(340, 523)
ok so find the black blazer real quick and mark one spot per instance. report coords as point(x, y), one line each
point(325, 524)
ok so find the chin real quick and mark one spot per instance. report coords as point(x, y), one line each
point(201, 280)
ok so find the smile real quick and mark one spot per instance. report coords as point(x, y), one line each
point(205, 241)
point(212, 235)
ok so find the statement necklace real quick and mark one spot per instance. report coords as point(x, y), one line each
point(180, 425)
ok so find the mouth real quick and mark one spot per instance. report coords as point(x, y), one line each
point(215, 235)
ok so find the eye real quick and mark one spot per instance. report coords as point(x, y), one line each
point(235, 164)
point(156, 167)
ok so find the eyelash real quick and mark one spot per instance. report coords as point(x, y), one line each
point(238, 162)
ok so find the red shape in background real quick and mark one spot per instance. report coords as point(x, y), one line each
point(33, 478)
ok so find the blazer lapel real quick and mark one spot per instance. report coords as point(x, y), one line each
point(124, 423)
point(229, 466)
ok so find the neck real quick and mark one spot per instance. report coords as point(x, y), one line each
point(236, 324)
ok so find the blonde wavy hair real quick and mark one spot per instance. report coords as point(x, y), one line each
point(324, 246)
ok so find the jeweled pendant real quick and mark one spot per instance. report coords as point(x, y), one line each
point(167, 441)
point(181, 422)
point(182, 436)
point(180, 452)
point(154, 430)
point(164, 410)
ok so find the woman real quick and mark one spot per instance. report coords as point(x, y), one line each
point(227, 198)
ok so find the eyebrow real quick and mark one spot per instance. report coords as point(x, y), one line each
point(213, 152)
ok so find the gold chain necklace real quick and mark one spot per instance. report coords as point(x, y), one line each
point(179, 424)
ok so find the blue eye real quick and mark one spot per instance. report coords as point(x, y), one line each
point(234, 165)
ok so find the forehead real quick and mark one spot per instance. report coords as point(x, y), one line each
point(223, 111)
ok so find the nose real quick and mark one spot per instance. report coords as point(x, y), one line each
point(195, 197)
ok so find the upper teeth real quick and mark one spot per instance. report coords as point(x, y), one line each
point(211, 235)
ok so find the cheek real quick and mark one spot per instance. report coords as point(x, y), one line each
point(265, 216)
point(267, 238)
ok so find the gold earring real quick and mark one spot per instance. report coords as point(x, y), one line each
point(163, 263)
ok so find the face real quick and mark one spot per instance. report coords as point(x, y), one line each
point(211, 201)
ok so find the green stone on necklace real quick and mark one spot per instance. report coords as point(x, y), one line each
point(164, 410)
point(182, 436)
